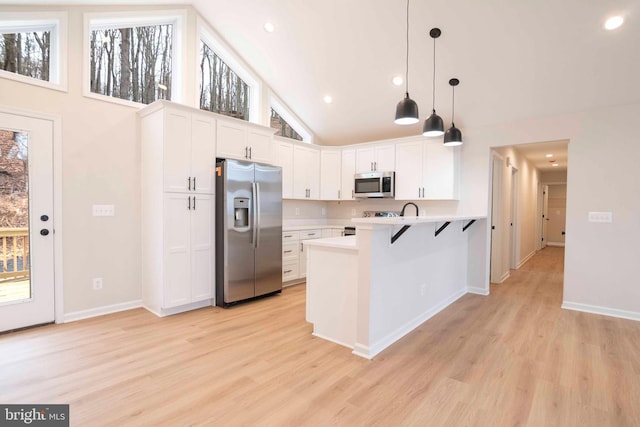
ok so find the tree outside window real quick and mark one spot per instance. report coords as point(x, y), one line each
point(283, 128)
point(26, 53)
point(132, 63)
point(221, 90)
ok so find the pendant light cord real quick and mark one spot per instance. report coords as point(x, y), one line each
point(434, 75)
point(453, 105)
point(407, 72)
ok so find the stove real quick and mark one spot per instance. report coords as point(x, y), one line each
point(382, 214)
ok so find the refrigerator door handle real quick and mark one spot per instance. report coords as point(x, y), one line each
point(257, 213)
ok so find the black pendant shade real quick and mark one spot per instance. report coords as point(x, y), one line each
point(406, 112)
point(453, 136)
point(434, 126)
point(407, 109)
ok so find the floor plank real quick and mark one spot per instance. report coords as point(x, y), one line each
point(512, 358)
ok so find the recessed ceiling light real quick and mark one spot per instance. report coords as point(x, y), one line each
point(269, 27)
point(555, 165)
point(328, 99)
point(613, 22)
point(548, 155)
point(397, 80)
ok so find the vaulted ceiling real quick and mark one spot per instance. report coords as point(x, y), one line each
point(514, 59)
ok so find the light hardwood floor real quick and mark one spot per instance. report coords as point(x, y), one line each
point(512, 358)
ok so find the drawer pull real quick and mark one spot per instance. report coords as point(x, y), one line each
point(288, 252)
point(287, 271)
point(311, 234)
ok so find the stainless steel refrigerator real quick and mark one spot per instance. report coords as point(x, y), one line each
point(248, 231)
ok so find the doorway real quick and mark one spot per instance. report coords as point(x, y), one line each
point(27, 244)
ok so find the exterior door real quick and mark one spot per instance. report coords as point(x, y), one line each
point(26, 222)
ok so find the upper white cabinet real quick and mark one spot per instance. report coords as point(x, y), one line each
point(330, 174)
point(306, 173)
point(189, 151)
point(426, 170)
point(348, 170)
point(244, 141)
point(284, 159)
point(375, 158)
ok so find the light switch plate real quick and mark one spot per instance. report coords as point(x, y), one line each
point(103, 210)
point(600, 217)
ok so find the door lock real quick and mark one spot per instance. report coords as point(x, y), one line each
point(44, 232)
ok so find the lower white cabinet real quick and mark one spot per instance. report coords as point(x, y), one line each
point(179, 271)
point(294, 255)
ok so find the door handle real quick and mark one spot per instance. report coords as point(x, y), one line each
point(44, 218)
point(44, 232)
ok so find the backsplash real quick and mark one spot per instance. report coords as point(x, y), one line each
point(303, 209)
point(354, 209)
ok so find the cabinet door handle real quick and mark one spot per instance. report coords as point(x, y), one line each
point(250, 155)
point(339, 194)
point(246, 152)
point(189, 202)
point(375, 166)
point(194, 202)
point(371, 166)
point(189, 183)
point(194, 184)
point(353, 195)
point(301, 247)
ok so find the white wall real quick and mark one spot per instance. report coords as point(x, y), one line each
point(603, 176)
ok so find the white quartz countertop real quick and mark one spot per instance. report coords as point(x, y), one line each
point(410, 220)
point(346, 242)
point(315, 226)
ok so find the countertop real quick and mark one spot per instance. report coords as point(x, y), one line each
point(316, 226)
point(410, 220)
point(346, 242)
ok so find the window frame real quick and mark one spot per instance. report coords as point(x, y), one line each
point(56, 23)
point(291, 119)
point(128, 19)
point(205, 34)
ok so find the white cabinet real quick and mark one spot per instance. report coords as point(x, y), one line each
point(294, 256)
point(188, 248)
point(244, 141)
point(306, 173)
point(375, 158)
point(178, 164)
point(348, 170)
point(330, 174)
point(426, 170)
point(284, 159)
point(189, 151)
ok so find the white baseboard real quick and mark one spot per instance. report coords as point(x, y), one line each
point(556, 244)
point(527, 258)
point(605, 311)
point(180, 309)
point(369, 352)
point(101, 311)
point(332, 340)
point(478, 291)
point(505, 276)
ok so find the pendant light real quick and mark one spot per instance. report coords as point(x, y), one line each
point(407, 109)
point(453, 136)
point(434, 126)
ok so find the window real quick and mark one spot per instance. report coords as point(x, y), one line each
point(283, 128)
point(221, 90)
point(287, 125)
point(133, 58)
point(226, 84)
point(30, 48)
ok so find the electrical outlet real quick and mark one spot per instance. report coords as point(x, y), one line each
point(353, 212)
point(297, 211)
point(103, 210)
point(97, 283)
point(423, 289)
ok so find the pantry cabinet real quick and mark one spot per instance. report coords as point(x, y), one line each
point(178, 146)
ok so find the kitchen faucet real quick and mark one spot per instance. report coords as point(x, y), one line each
point(407, 204)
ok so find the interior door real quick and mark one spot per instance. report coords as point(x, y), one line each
point(545, 214)
point(26, 222)
point(496, 220)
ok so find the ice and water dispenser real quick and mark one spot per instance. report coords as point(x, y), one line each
point(241, 212)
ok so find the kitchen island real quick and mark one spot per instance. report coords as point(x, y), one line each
point(369, 291)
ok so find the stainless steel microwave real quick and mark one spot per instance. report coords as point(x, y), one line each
point(375, 184)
